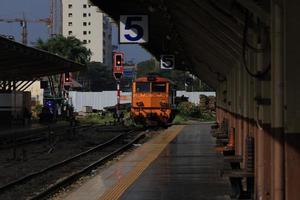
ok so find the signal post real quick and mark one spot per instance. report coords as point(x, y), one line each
point(118, 70)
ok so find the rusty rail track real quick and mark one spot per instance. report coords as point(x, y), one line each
point(75, 175)
point(58, 131)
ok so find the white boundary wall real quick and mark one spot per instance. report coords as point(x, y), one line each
point(99, 100)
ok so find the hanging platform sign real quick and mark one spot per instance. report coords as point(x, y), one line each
point(134, 29)
point(167, 62)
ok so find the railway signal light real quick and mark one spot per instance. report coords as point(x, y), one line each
point(67, 77)
point(119, 60)
point(118, 68)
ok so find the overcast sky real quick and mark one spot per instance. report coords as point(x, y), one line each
point(38, 9)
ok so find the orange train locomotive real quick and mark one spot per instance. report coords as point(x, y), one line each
point(153, 100)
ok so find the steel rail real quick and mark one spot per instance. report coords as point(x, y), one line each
point(28, 139)
point(70, 179)
point(57, 165)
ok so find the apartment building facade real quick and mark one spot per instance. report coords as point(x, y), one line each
point(89, 24)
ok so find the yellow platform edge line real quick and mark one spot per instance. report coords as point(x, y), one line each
point(119, 188)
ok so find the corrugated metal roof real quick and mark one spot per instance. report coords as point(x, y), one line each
point(206, 36)
point(20, 62)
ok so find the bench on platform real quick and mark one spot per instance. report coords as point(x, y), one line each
point(237, 173)
point(233, 159)
point(232, 170)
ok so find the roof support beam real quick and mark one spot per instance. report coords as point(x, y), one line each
point(206, 25)
point(222, 19)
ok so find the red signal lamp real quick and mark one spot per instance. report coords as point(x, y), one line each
point(118, 61)
point(67, 77)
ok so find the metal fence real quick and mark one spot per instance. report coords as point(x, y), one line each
point(99, 100)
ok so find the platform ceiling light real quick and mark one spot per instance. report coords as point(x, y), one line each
point(168, 37)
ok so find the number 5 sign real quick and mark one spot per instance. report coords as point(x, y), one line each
point(133, 29)
point(167, 62)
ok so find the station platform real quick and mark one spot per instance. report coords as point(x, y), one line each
point(180, 163)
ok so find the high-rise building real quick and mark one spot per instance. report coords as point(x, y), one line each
point(91, 26)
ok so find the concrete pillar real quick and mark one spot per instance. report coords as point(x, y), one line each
point(291, 99)
point(278, 180)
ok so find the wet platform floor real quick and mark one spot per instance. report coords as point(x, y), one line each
point(188, 168)
point(179, 163)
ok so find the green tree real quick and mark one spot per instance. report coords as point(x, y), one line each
point(146, 67)
point(67, 47)
point(97, 77)
point(177, 76)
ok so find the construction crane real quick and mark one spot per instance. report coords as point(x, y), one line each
point(23, 23)
point(53, 21)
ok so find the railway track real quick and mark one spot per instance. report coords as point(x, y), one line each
point(42, 183)
point(14, 141)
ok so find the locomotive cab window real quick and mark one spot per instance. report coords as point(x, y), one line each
point(142, 87)
point(158, 87)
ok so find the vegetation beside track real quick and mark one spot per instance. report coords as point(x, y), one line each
point(104, 119)
point(188, 112)
point(96, 118)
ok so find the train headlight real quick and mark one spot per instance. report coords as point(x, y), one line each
point(164, 104)
point(140, 104)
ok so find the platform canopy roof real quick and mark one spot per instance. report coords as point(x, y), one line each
point(20, 62)
point(206, 36)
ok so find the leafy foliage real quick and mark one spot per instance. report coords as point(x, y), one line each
point(188, 109)
point(67, 47)
point(96, 118)
point(97, 77)
point(177, 76)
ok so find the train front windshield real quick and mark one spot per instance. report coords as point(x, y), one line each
point(158, 87)
point(143, 87)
